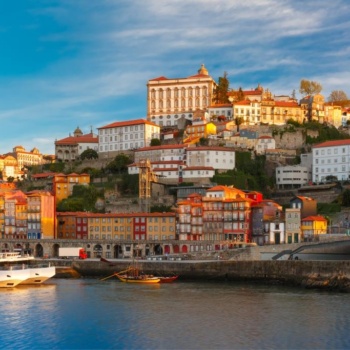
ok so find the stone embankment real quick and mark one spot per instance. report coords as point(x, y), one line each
point(328, 275)
point(243, 264)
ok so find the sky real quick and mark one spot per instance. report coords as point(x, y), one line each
point(85, 63)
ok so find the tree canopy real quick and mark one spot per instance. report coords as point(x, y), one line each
point(155, 142)
point(89, 154)
point(308, 87)
point(337, 96)
point(120, 164)
point(222, 90)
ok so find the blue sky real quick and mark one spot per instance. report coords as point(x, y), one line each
point(86, 63)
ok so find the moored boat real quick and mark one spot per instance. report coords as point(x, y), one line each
point(11, 276)
point(168, 279)
point(38, 274)
point(13, 270)
point(138, 279)
point(13, 257)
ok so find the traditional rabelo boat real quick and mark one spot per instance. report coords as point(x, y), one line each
point(133, 275)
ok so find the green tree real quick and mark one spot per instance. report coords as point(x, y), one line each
point(203, 141)
point(89, 154)
point(346, 198)
point(161, 208)
point(239, 121)
point(222, 90)
point(119, 165)
point(155, 142)
point(308, 87)
point(10, 179)
point(240, 95)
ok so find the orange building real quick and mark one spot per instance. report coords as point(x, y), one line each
point(63, 184)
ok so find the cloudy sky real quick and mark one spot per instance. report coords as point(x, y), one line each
point(86, 63)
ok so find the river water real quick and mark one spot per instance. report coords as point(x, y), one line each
point(94, 314)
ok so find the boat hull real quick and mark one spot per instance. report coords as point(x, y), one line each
point(145, 280)
point(13, 277)
point(168, 279)
point(39, 275)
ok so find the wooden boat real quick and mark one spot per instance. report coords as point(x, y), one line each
point(148, 279)
point(133, 275)
point(168, 279)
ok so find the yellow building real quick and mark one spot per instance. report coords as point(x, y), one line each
point(333, 114)
point(23, 157)
point(313, 226)
point(2, 214)
point(124, 226)
point(200, 128)
point(63, 184)
point(10, 168)
point(41, 215)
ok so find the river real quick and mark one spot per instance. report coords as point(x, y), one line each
point(94, 314)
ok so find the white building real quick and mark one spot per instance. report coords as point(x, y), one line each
point(264, 143)
point(331, 158)
point(291, 176)
point(221, 110)
point(248, 110)
point(71, 147)
point(181, 163)
point(219, 158)
point(170, 99)
point(126, 135)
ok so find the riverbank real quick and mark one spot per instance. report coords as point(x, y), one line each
point(325, 275)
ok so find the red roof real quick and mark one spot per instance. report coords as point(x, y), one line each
point(73, 140)
point(314, 218)
point(128, 123)
point(333, 143)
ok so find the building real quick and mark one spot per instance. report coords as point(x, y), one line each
point(312, 107)
point(266, 222)
point(331, 159)
point(220, 111)
point(200, 128)
point(41, 213)
point(307, 205)
point(292, 176)
point(10, 168)
point(223, 214)
point(63, 184)
point(124, 136)
point(293, 225)
point(25, 158)
point(333, 114)
point(219, 158)
point(170, 99)
point(116, 226)
point(264, 143)
point(181, 163)
point(71, 147)
point(313, 226)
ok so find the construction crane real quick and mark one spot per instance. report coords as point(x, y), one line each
point(146, 177)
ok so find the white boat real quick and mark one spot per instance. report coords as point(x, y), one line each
point(13, 271)
point(39, 274)
point(11, 276)
point(11, 257)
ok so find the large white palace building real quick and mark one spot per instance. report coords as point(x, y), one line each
point(168, 100)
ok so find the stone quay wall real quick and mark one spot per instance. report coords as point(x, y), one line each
point(329, 275)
